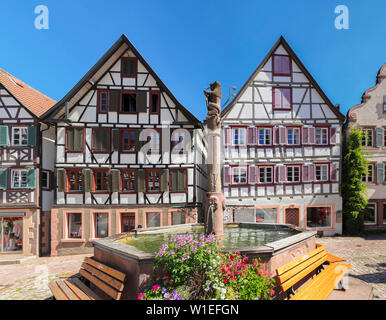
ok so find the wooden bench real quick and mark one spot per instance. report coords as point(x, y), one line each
point(108, 282)
point(320, 286)
point(330, 257)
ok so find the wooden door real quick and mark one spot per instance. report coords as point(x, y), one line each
point(127, 222)
point(292, 216)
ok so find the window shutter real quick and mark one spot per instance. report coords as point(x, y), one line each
point(280, 173)
point(173, 180)
point(87, 180)
point(140, 181)
point(101, 140)
point(277, 98)
point(306, 177)
point(286, 95)
point(31, 179)
point(251, 136)
point(380, 168)
point(379, 135)
point(333, 135)
point(227, 136)
point(252, 174)
point(70, 139)
point(32, 136)
point(181, 180)
point(115, 139)
point(311, 135)
point(334, 172)
point(4, 136)
point(285, 64)
point(4, 179)
point(305, 135)
point(226, 175)
point(77, 139)
point(61, 180)
point(282, 135)
point(311, 172)
point(115, 180)
point(276, 135)
point(142, 101)
point(164, 180)
point(114, 96)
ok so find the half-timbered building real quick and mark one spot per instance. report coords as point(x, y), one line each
point(25, 175)
point(128, 154)
point(370, 116)
point(282, 147)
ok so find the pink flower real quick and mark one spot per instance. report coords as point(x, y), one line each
point(260, 272)
point(266, 273)
point(272, 292)
point(140, 296)
point(255, 263)
point(155, 287)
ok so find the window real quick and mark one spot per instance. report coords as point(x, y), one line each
point(293, 136)
point(74, 180)
point(384, 137)
point(267, 215)
point(319, 217)
point(101, 180)
point(239, 175)
point(369, 177)
point(239, 135)
point(128, 67)
point(129, 102)
point(384, 213)
point(265, 175)
point(153, 180)
point(154, 143)
point(178, 217)
point(154, 102)
point(18, 179)
point(128, 140)
point(370, 214)
point(293, 174)
point(153, 219)
point(281, 65)
point(265, 136)
point(321, 172)
point(178, 141)
point(75, 225)
point(45, 180)
point(103, 98)
point(368, 137)
point(384, 104)
point(101, 225)
point(282, 98)
point(101, 140)
point(19, 136)
point(128, 178)
point(177, 180)
point(11, 233)
point(74, 139)
point(321, 136)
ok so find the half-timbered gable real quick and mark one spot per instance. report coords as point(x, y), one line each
point(124, 141)
point(21, 165)
point(282, 146)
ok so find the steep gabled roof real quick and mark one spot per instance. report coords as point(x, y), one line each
point(93, 73)
point(295, 58)
point(34, 101)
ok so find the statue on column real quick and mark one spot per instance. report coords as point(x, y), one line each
point(213, 103)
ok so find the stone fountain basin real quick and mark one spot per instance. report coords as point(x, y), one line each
point(138, 265)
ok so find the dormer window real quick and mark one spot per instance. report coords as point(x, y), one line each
point(281, 65)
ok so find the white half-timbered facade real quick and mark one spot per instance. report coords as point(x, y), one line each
point(25, 189)
point(282, 147)
point(128, 154)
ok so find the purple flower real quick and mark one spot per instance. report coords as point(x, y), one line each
point(208, 250)
point(163, 290)
point(171, 253)
point(178, 297)
point(167, 295)
point(201, 244)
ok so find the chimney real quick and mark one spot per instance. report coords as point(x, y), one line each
point(338, 106)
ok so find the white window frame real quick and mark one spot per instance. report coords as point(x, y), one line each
point(321, 172)
point(239, 136)
point(366, 177)
point(267, 132)
point(323, 132)
point(20, 134)
point(265, 174)
point(366, 131)
point(236, 172)
point(17, 174)
point(375, 215)
point(293, 136)
point(292, 169)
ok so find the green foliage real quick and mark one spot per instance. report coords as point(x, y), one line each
point(354, 190)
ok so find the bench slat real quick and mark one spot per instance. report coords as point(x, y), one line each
point(81, 295)
point(110, 271)
point(57, 291)
point(332, 258)
point(104, 277)
point(69, 293)
point(101, 285)
point(323, 284)
point(91, 294)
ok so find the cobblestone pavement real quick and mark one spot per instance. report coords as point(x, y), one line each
point(367, 256)
point(29, 280)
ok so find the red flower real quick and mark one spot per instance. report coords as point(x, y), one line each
point(272, 292)
point(237, 253)
point(170, 281)
point(166, 275)
point(255, 263)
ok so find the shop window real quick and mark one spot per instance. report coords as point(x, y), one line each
point(319, 217)
point(267, 215)
point(370, 214)
point(11, 234)
point(178, 217)
point(74, 225)
point(101, 225)
point(153, 219)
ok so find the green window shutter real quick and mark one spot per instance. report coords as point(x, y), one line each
point(32, 130)
point(70, 139)
point(164, 180)
point(379, 137)
point(4, 179)
point(31, 179)
point(380, 168)
point(115, 180)
point(173, 180)
point(181, 180)
point(142, 101)
point(114, 96)
point(115, 139)
point(4, 136)
point(101, 140)
point(77, 139)
point(140, 181)
point(87, 180)
point(61, 179)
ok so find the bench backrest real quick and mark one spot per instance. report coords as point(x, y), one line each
point(294, 271)
point(107, 279)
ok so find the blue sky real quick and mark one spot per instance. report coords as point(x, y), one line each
point(192, 43)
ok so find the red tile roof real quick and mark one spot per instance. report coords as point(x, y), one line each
point(33, 100)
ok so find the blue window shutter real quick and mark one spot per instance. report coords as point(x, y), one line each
point(379, 133)
point(32, 136)
point(380, 172)
point(4, 136)
point(31, 179)
point(4, 179)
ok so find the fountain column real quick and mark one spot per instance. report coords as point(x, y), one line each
point(214, 202)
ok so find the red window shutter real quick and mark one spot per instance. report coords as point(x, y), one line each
point(276, 135)
point(277, 65)
point(227, 136)
point(311, 172)
point(227, 175)
point(252, 175)
point(285, 65)
point(282, 135)
point(286, 96)
point(311, 137)
point(277, 99)
point(305, 135)
point(280, 173)
point(334, 173)
point(251, 135)
point(306, 177)
point(333, 135)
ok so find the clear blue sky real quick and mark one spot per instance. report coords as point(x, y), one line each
point(192, 43)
